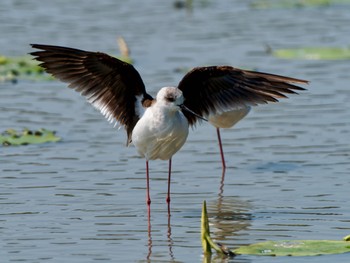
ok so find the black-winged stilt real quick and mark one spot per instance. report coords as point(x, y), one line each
point(159, 127)
point(226, 120)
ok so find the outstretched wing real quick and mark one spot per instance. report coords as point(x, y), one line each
point(109, 84)
point(216, 89)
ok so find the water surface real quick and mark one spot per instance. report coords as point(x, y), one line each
point(83, 199)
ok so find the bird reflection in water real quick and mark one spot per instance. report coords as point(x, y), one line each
point(228, 216)
point(169, 237)
point(149, 235)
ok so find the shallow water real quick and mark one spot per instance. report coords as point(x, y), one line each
point(83, 199)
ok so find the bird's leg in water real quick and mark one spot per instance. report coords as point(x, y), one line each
point(169, 179)
point(221, 150)
point(148, 198)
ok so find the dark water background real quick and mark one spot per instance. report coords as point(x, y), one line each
point(82, 199)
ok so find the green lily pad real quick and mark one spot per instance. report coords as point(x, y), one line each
point(313, 53)
point(274, 248)
point(267, 4)
point(295, 248)
point(12, 137)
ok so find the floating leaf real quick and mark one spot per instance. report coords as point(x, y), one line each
point(265, 4)
point(313, 53)
point(295, 248)
point(12, 137)
point(274, 248)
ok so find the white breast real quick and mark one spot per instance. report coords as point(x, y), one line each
point(160, 133)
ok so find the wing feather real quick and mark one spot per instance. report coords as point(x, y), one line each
point(215, 89)
point(109, 84)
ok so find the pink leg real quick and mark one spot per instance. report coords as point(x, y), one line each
point(169, 180)
point(221, 150)
point(148, 198)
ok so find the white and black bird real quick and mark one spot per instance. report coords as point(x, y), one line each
point(159, 127)
point(227, 120)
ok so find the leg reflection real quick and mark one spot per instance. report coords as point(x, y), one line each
point(170, 240)
point(222, 183)
point(149, 233)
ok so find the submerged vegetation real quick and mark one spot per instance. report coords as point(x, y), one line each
point(13, 68)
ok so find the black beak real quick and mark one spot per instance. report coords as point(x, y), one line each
point(184, 108)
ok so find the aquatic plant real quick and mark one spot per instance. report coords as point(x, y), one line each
point(313, 53)
point(12, 137)
point(267, 4)
point(13, 68)
point(273, 248)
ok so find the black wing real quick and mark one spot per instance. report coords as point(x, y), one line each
point(109, 84)
point(221, 88)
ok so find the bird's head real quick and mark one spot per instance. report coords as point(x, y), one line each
point(170, 97)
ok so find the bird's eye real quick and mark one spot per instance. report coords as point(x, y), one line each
point(170, 99)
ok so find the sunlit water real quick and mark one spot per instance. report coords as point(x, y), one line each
point(83, 199)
